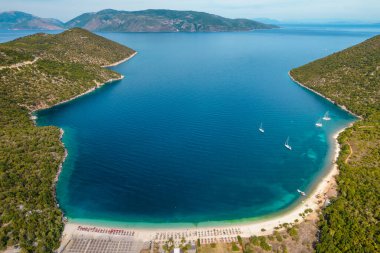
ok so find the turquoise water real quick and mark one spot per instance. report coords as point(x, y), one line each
point(177, 140)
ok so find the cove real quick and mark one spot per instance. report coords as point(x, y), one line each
point(177, 141)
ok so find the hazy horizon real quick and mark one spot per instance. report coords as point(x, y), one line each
point(299, 11)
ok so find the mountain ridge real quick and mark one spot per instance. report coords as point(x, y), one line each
point(150, 20)
point(18, 20)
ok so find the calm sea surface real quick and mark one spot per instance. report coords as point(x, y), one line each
point(177, 140)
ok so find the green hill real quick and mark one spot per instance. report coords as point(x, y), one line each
point(133, 21)
point(162, 21)
point(37, 72)
point(352, 78)
point(74, 45)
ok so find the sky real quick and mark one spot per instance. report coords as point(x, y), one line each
point(283, 10)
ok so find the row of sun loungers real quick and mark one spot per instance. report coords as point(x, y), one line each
point(197, 234)
point(206, 236)
point(78, 245)
point(215, 240)
point(209, 240)
point(107, 231)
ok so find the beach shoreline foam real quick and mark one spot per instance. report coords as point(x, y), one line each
point(316, 200)
point(34, 118)
point(313, 201)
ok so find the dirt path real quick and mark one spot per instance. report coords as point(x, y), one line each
point(17, 65)
point(348, 157)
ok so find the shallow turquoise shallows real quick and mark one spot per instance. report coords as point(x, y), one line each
point(177, 140)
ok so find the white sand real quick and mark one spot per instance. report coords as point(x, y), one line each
point(245, 229)
point(314, 200)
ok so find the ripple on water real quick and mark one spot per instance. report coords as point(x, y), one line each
point(177, 140)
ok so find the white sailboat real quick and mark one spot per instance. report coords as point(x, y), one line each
point(319, 123)
point(287, 144)
point(326, 116)
point(261, 129)
point(301, 192)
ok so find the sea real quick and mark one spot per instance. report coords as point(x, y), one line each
point(177, 141)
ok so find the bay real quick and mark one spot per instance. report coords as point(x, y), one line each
point(177, 141)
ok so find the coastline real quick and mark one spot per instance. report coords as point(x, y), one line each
point(33, 117)
point(120, 62)
point(61, 165)
point(319, 94)
point(98, 85)
point(316, 200)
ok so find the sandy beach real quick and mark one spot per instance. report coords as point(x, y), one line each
point(215, 233)
point(224, 233)
point(33, 117)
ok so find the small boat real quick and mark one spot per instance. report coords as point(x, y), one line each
point(261, 129)
point(319, 123)
point(287, 144)
point(326, 116)
point(301, 192)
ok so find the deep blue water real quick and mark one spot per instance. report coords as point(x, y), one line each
point(177, 140)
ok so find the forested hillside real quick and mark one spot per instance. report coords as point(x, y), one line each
point(134, 21)
point(351, 78)
point(37, 72)
point(162, 21)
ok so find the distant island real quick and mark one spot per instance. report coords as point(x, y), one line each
point(17, 20)
point(37, 72)
point(162, 21)
point(351, 79)
point(134, 21)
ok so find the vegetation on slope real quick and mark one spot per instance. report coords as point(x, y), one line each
point(352, 78)
point(74, 45)
point(162, 21)
point(10, 56)
point(30, 156)
point(134, 21)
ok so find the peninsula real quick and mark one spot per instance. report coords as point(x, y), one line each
point(351, 79)
point(37, 72)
